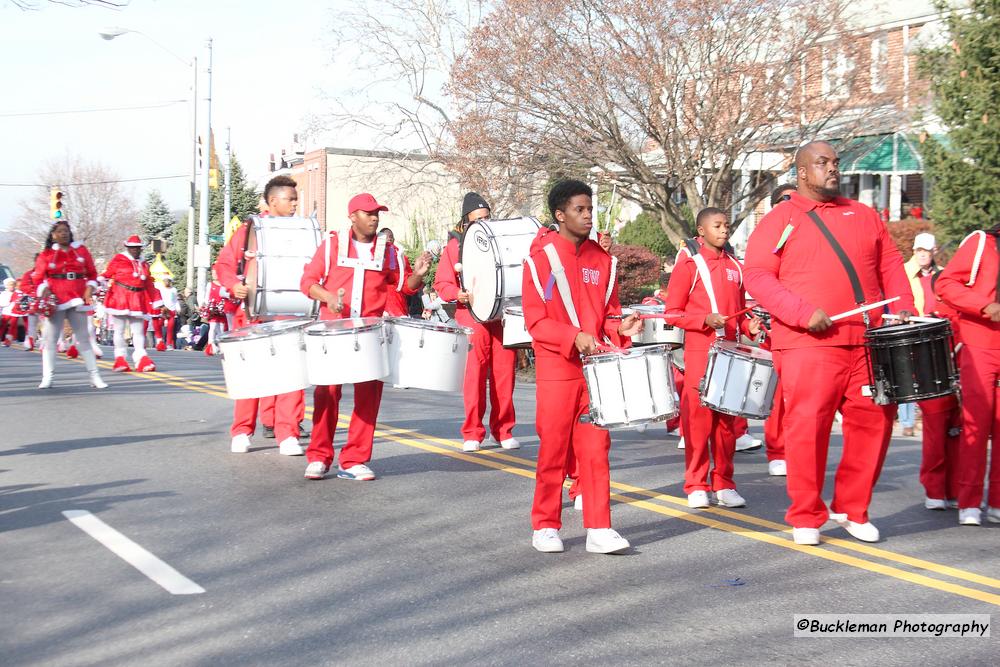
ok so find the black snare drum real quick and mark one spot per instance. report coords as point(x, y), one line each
point(911, 362)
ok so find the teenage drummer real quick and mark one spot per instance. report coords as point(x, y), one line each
point(794, 272)
point(569, 314)
point(288, 409)
point(351, 275)
point(704, 288)
point(489, 362)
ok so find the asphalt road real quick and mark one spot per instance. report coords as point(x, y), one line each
point(432, 563)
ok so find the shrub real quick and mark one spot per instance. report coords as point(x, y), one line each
point(638, 272)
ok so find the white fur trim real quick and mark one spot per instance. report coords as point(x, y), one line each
point(158, 304)
point(76, 244)
point(118, 312)
point(93, 283)
point(41, 287)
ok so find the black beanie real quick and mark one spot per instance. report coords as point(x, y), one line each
point(473, 201)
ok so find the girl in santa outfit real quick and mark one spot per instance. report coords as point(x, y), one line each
point(31, 318)
point(8, 322)
point(65, 270)
point(220, 306)
point(131, 299)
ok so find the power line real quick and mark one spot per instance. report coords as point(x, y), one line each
point(66, 185)
point(159, 105)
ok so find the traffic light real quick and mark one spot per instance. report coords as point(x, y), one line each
point(213, 179)
point(56, 204)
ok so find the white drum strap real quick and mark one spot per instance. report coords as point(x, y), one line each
point(559, 273)
point(357, 290)
point(611, 281)
point(706, 279)
point(399, 264)
point(979, 254)
point(534, 277)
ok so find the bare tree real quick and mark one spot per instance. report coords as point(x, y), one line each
point(666, 100)
point(36, 4)
point(100, 212)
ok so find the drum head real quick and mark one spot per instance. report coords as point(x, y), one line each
point(646, 309)
point(282, 246)
point(481, 275)
point(344, 326)
point(733, 348)
point(427, 325)
point(263, 330)
point(914, 332)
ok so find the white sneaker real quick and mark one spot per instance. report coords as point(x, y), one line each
point(806, 536)
point(777, 468)
point(748, 443)
point(866, 532)
point(605, 541)
point(680, 443)
point(992, 514)
point(935, 504)
point(640, 428)
point(729, 498)
point(240, 444)
point(578, 503)
point(547, 541)
point(316, 470)
point(290, 447)
point(470, 446)
point(698, 499)
point(358, 473)
point(510, 443)
point(970, 516)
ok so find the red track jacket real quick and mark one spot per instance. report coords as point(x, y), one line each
point(687, 297)
point(446, 282)
point(969, 284)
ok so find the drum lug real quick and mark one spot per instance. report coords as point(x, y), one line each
point(357, 343)
point(242, 356)
point(421, 345)
point(454, 346)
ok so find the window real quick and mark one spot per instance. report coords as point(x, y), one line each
point(837, 68)
point(879, 62)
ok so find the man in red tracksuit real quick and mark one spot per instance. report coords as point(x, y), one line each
point(289, 408)
point(971, 284)
point(395, 300)
point(569, 292)
point(366, 270)
point(703, 290)
point(793, 271)
point(489, 361)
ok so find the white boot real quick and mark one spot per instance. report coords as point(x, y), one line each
point(48, 365)
point(90, 361)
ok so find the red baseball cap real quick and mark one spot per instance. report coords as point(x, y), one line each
point(364, 202)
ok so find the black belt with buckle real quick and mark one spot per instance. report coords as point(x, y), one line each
point(130, 288)
point(68, 276)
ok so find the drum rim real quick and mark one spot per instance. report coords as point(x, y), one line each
point(427, 325)
point(642, 350)
point(909, 332)
point(244, 333)
point(498, 302)
point(322, 327)
point(647, 307)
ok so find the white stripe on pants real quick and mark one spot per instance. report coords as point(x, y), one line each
point(138, 326)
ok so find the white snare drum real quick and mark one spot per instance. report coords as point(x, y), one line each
point(739, 380)
point(656, 331)
point(515, 333)
point(264, 359)
point(630, 388)
point(283, 246)
point(426, 355)
point(346, 351)
point(492, 254)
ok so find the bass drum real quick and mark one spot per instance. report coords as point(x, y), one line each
point(282, 247)
point(492, 256)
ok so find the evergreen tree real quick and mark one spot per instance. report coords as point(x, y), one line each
point(176, 255)
point(243, 199)
point(155, 219)
point(964, 167)
point(645, 231)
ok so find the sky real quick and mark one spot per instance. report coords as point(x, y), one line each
point(271, 62)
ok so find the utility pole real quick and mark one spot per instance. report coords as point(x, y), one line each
point(193, 198)
point(203, 252)
point(227, 197)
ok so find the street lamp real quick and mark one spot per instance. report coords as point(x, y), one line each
point(110, 33)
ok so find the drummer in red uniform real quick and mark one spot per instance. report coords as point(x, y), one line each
point(489, 362)
point(395, 301)
point(351, 275)
point(971, 284)
point(568, 315)
point(132, 298)
point(793, 271)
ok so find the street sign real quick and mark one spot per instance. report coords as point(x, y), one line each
point(216, 238)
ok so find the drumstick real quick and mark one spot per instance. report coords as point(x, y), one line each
point(862, 309)
point(928, 320)
point(658, 316)
point(340, 299)
point(738, 313)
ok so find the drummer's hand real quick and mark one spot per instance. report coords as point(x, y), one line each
point(240, 291)
point(755, 325)
point(585, 343)
point(630, 325)
point(992, 311)
point(463, 296)
point(88, 295)
point(819, 321)
point(335, 303)
point(423, 264)
point(249, 254)
point(715, 321)
point(904, 316)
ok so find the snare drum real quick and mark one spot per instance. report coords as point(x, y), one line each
point(656, 331)
point(911, 362)
point(631, 387)
point(426, 355)
point(492, 254)
point(739, 380)
point(264, 359)
point(346, 351)
point(515, 333)
point(283, 246)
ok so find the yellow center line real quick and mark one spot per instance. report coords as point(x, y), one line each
point(524, 468)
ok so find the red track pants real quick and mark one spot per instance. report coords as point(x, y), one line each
point(774, 440)
point(939, 463)
point(266, 413)
point(818, 381)
point(560, 404)
point(489, 361)
point(360, 433)
point(980, 372)
point(285, 408)
point(707, 433)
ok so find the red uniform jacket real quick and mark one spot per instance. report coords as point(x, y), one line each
point(594, 289)
point(229, 258)
point(446, 282)
point(75, 262)
point(969, 284)
point(132, 292)
point(688, 297)
point(25, 289)
point(794, 277)
point(395, 299)
point(377, 283)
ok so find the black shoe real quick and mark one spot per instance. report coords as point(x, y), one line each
point(269, 432)
point(304, 431)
